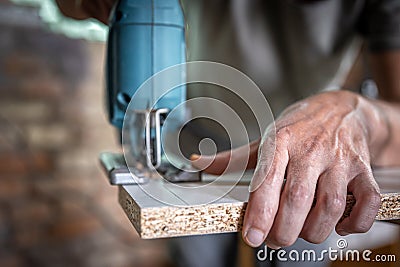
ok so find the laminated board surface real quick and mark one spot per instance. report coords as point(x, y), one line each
point(153, 218)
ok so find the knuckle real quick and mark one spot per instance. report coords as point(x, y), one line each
point(333, 203)
point(297, 194)
point(258, 212)
point(282, 134)
point(265, 212)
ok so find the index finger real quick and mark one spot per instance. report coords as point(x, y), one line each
point(261, 210)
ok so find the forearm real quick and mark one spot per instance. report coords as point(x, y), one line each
point(84, 9)
point(72, 9)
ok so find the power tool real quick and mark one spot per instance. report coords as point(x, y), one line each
point(145, 37)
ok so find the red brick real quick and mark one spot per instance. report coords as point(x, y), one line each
point(25, 162)
point(13, 164)
point(12, 187)
point(25, 64)
point(58, 207)
point(73, 229)
point(28, 236)
point(73, 222)
point(42, 162)
point(32, 212)
point(41, 88)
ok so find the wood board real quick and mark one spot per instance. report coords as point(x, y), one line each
point(155, 219)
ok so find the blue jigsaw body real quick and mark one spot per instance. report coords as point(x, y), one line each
point(146, 36)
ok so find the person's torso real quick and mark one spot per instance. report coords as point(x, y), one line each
point(290, 49)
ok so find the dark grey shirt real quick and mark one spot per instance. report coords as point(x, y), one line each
point(379, 23)
point(290, 49)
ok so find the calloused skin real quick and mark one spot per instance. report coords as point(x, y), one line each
point(324, 147)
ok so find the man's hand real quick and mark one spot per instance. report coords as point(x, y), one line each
point(323, 149)
point(84, 9)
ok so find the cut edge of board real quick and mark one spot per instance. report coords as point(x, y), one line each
point(131, 209)
point(173, 221)
point(390, 207)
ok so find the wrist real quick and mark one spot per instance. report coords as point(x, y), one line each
point(376, 124)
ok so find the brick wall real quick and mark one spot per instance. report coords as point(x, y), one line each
point(56, 207)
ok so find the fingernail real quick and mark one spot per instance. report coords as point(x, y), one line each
point(194, 157)
point(254, 237)
point(272, 246)
point(342, 232)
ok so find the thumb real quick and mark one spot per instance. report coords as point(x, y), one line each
point(212, 164)
point(235, 158)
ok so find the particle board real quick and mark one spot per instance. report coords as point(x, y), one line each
point(154, 219)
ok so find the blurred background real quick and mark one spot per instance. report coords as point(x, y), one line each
point(56, 206)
